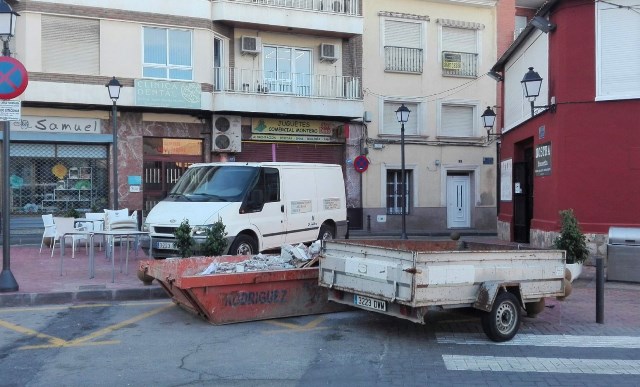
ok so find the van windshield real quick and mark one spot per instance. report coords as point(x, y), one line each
point(214, 184)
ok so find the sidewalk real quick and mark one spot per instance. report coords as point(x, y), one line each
point(40, 282)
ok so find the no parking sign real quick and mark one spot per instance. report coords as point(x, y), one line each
point(13, 78)
point(361, 163)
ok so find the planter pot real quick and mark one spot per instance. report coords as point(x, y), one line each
point(575, 269)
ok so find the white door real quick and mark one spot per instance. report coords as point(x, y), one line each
point(458, 208)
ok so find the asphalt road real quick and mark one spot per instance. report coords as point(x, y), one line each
point(159, 344)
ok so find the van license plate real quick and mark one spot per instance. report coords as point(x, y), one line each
point(370, 303)
point(165, 245)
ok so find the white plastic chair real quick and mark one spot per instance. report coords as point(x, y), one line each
point(120, 220)
point(49, 229)
point(66, 225)
point(97, 223)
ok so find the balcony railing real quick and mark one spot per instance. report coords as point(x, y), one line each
point(283, 83)
point(348, 7)
point(403, 59)
point(459, 64)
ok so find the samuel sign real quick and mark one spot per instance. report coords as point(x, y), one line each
point(543, 160)
point(57, 125)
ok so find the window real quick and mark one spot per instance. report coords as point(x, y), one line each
point(70, 45)
point(457, 119)
point(459, 52)
point(390, 120)
point(287, 70)
point(618, 56)
point(403, 46)
point(394, 191)
point(167, 54)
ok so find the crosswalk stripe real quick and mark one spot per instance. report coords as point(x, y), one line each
point(539, 364)
point(575, 341)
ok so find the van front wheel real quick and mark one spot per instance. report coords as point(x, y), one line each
point(243, 245)
point(326, 233)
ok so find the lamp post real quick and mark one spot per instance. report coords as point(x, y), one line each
point(531, 84)
point(488, 120)
point(8, 282)
point(402, 114)
point(114, 93)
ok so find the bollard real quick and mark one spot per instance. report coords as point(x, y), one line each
point(599, 290)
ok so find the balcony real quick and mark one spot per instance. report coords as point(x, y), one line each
point(403, 59)
point(459, 64)
point(340, 18)
point(246, 90)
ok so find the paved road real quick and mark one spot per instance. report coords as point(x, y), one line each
point(157, 343)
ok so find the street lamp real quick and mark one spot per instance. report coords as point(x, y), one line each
point(531, 84)
point(402, 114)
point(488, 120)
point(114, 93)
point(8, 282)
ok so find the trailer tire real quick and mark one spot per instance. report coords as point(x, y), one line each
point(503, 321)
point(326, 233)
point(243, 245)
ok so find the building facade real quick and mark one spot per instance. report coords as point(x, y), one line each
point(586, 55)
point(202, 81)
point(432, 57)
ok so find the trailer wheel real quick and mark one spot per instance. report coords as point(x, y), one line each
point(326, 233)
point(503, 322)
point(243, 245)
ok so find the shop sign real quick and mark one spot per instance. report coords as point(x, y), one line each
point(170, 94)
point(57, 125)
point(274, 129)
point(505, 180)
point(543, 160)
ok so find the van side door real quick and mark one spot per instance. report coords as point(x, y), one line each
point(265, 207)
point(300, 203)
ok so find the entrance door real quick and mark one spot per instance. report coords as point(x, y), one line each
point(523, 197)
point(458, 206)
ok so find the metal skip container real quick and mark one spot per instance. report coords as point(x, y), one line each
point(236, 297)
point(623, 254)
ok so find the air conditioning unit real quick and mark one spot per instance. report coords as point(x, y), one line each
point(329, 52)
point(250, 45)
point(227, 134)
point(451, 61)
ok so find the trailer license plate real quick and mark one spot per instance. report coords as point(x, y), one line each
point(370, 303)
point(165, 245)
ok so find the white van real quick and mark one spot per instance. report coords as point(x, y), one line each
point(262, 205)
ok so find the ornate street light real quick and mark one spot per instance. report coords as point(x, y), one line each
point(531, 84)
point(402, 114)
point(114, 93)
point(488, 120)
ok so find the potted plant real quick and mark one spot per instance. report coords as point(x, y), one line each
point(573, 241)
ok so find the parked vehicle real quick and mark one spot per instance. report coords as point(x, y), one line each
point(262, 205)
point(406, 278)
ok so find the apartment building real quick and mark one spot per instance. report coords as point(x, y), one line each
point(432, 57)
point(244, 80)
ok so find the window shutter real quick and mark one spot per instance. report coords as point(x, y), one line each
point(457, 121)
point(390, 120)
point(619, 50)
point(459, 40)
point(402, 34)
point(70, 45)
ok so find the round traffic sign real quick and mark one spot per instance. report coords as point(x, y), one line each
point(361, 163)
point(13, 78)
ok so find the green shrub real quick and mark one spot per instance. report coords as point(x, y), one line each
point(215, 242)
point(184, 241)
point(571, 238)
point(72, 213)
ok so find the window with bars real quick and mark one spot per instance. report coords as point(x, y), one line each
point(394, 191)
point(403, 46)
point(167, 53)
point(459, 52)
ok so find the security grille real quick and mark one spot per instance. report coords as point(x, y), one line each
point(56, 178)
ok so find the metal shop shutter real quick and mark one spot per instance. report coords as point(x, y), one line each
point(304, 153)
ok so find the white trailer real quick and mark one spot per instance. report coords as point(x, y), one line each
point(405, 278)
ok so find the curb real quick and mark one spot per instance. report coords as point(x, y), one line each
point(102, 295)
